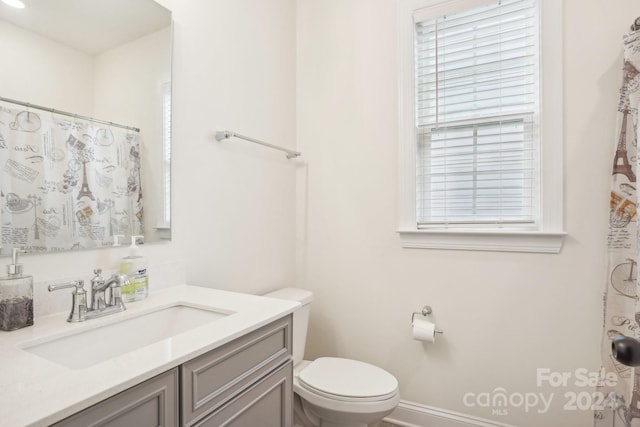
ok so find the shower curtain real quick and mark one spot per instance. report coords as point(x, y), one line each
point(66, 183)
point(617, 403)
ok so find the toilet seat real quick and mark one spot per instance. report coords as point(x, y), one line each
point(348, 380)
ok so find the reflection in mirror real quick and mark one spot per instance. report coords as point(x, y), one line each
point(83, 75)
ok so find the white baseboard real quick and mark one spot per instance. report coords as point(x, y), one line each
point(409, 414)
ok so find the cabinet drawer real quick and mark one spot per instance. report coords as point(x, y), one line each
point(214, 378)
point(150, 404)
point(268, 403)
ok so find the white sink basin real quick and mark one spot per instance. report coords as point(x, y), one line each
point(97, 345)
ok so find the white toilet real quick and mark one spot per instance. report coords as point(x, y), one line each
point(330, 391)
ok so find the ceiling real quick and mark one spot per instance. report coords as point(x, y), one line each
point(91, 26)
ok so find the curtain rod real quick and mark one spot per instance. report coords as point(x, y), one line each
point(65, 113)
point(225, 134)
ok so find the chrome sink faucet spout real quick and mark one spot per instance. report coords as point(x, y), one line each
point(106, 296)
point(100, 287)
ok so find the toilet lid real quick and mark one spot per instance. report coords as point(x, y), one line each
point(347, 379)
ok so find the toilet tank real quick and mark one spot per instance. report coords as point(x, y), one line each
point(300, 317)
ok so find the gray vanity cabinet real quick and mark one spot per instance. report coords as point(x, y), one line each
point(153, 403)
point(246, 382)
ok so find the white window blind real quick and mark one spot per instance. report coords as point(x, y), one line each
point(476, 74)
point(166, 154)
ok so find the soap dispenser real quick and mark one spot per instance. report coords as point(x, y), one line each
point(135, 267)
point(16, 296)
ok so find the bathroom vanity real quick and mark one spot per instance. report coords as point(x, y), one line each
point(231, 366)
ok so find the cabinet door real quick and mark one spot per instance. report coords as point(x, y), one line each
point(268, 403)
point(153, 403)
point(216, 377)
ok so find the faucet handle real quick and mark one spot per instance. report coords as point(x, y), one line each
point(79, 299)
point(77, 284)
point(119, 280)
point(97, 271)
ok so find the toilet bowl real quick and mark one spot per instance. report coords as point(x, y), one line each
point(332, 391)
point(344, 392)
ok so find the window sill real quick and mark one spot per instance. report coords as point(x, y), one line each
point(164, 231)
point(483, 240)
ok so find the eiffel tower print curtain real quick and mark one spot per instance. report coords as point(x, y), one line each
point(622, 310)
point(66, 183)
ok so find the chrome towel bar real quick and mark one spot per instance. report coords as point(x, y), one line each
point(226, 134)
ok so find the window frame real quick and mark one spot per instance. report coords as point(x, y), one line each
point(549, 236)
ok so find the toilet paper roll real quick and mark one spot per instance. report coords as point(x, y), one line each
point(423, 330)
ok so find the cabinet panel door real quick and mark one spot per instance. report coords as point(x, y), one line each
point(214, 378)
point(154, 403)
point(268, 403)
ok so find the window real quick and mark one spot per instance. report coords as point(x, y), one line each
point(166, 151)
point(164, 220)
point(481, 147)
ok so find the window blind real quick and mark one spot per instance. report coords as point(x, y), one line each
point(477, 117)
point(166, 153)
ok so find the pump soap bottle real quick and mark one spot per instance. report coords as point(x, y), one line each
point(135, 267)
point(16, 296)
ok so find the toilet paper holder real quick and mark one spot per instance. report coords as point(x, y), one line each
point(426, 310)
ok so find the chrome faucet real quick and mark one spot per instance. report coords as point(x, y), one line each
point(99, 288)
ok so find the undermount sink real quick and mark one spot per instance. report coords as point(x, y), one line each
point(93, 346)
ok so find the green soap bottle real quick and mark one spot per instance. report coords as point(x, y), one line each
point(135, 267)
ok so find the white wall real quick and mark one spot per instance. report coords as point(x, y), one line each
point(504, 314)
point(40, 71)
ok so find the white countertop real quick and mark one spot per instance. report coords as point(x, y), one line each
point(37, 392)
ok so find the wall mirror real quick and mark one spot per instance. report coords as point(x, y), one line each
point(85, 123)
